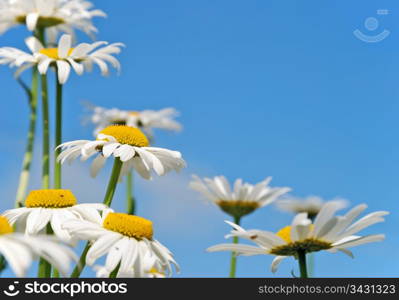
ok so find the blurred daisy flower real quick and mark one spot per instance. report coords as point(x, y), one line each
point(51, 207)
point(146, 120)
point(55, 15)
point(20, 250)
point(310, 205)
point(239, 200)
point(128, 144)
point(127, 241)
point(80, 58)
point(152, 268)
point(327, 232)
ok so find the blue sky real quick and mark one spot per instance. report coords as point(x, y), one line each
point(264, 88)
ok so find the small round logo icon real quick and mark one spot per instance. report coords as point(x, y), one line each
point(372, 24)
point(12, 290)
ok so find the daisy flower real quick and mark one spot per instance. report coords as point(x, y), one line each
point(127, 240)
point(310, 205)
point(80, 58)
point(20, 250)
point(129, 145)
point(152, 268)
point(51, 207)
point(327, 232)
point(146, 120)
point(242, 198)
point(56, 15)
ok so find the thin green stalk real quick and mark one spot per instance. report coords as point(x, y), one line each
point(302, 263)
point(58, 134)
point(114, 273)
point(40, 34)
point(81, 263)
point(109, 194)
point(233, 261)
point(113, 181)
point(44, 267)
point(130, 200)
point(3, 264)
point(46, 135)
point(28, 156)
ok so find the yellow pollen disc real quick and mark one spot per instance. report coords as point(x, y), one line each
point(128, 225)
point(5, 227)
point(50, 199)
point(53, 52)
point(134, 113)
point(155, 272)
point(285, 234)
point(127, 135)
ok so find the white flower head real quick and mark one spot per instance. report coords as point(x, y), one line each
point(54, 15)
point(327, 232)
point(242, 198)
point(80, 58)
point(152, 268)
point(51, 207)
point(20, 250)
point(311, 205)
point(129, 145)
point(146, 120)
point(127, 241)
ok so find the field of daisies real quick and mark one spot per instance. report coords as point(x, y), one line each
point(124, 155)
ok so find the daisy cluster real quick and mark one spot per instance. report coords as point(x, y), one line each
point(48, 224)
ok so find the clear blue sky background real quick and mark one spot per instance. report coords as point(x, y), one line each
point(279, 88)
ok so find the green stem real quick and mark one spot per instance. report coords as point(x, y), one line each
point(58, 134)
point(3, 264)
point(113, 181)
point(44, 267)
point(81, 264)
point(109, 194)
point(28, 156)
point(302, 263)
point(46, 135)
point(233, 261)
point(114, 273)
point(130, 200)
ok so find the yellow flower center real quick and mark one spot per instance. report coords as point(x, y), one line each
point(134, 113)
point(50, 199)
point(127, 135)
point(42, 22)
point(128, 225)
point(238, 208)
point(53, 52)
point(291, 248)
point(155, 272)
point(5, 227)
point(285, 234)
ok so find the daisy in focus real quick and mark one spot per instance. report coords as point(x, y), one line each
point(310, 205)
point(52, 207)
point(242, 198)
point(146, 120)
point(20, 250)
point(80, 58)
point(130, 146)
point(327, 232)
point(127, 241)
point(56, 15)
